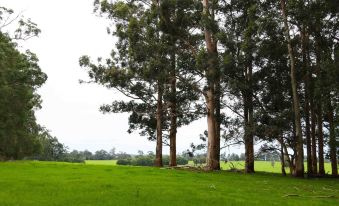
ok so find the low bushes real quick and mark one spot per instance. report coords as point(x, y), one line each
point(148, 160)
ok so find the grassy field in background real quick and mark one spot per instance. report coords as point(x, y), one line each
point(266, 166)
point(101, 162)
point(260, 166)
point(29, 183)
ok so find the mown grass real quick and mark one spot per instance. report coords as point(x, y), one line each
point(260, 166)
point(101, 162)
point(266, 166)
point(60, 184)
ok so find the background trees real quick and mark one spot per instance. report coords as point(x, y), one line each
point(20, 77)
point(260, 72)
point(264, 66)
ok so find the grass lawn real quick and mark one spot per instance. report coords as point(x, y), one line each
point(260, 166)
point(266, 166)
point(101, 162)
point(30, 183)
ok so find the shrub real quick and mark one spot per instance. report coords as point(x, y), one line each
point(199, 160)
point(182, 160)
point(143, 161)
point(148, 160)
point(124, 162)
point(165, 160)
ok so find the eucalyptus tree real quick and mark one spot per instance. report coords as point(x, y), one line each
point(176, 18)
point(240, 37)
point(212, 89)
point(323, 26)
point(299, 162)
point(136, 68)
point(20, 77)
point(146, 66)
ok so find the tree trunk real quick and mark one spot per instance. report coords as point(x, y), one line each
point(212, 162)
point(289, 160)
point(158, 153)
point(173, 113)
point(313, 120)
point(313, 138)
point(299, 166)
point(307, 108)
point(249, 127)
point(249, 146)
point(319, 107)
point(320, 141)
point(282, 158)
point(218, 117)
point(332, 142)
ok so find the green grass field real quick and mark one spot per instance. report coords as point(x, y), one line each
point(266, 166)
point(30, 183)
point(260, 166)
point(101, 162)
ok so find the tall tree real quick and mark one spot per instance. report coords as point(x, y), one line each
point(212, 75)
point(299, 170)
point(20, 77)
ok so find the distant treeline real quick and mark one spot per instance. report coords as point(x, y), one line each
point(148, 159)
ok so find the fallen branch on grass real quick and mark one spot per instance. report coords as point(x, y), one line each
point(318, 196)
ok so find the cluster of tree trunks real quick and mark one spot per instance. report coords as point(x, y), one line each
point(300, 53)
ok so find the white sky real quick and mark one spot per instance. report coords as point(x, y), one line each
point(70, 110)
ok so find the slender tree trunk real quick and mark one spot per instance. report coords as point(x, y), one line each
point(289, 160)
point(246, 126)
point(299, 166)
point(249, 127)
point(282, 158)
point(158, 152)
point(217, 116)
point(319, 108)
point(332, 142)
point(313, 137)
point(313, 119)
point(249, 124)
point(308, 136)
point(173, 113)
point(307, 107)
point(320, 141)
point(212, 162)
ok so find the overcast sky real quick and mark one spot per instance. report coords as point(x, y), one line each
point(70, 110)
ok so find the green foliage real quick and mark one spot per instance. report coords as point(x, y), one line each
point(124, 162)
point(148, 160)
point(20, 77)
point(51, 148)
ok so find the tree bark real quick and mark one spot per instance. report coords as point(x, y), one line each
point(307, 107)
point(313, 120)
point(299, 165)
point(332, 142)
point(289, 160)
point(158, 152)
point(282, 158)
point(320, 141)
point(313, 137)
point(217, 116)
point(249, 144)
point(173, 112)
point(319, 106)
point(212, 162)
point(213, 152)
point(248, 92)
